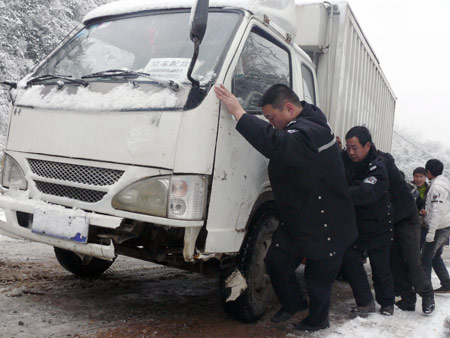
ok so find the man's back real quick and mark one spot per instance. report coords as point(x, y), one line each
point(438, 204)
point(399, 191)
point(308, 181)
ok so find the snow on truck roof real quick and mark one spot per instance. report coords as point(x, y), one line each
point(280, 11)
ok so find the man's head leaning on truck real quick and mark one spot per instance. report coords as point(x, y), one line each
point(280, 105)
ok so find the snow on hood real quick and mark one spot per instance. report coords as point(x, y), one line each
point(122, 97)
point(280, 11)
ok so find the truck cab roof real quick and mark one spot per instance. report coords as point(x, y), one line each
point(280, 11)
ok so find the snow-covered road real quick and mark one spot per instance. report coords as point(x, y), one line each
point(402, 324)
point(135, 298)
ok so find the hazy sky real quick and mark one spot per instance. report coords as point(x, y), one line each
point(411, 39)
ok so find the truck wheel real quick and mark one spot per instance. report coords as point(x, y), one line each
point(252, 303)
point(87, 267)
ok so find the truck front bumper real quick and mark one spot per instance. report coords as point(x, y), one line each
point(12, 228)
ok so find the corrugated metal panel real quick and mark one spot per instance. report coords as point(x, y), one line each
point(353, 86)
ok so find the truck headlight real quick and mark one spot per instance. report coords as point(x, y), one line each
point(187, 199)
point(13, 176)
point(179, 197)
point(148, 196)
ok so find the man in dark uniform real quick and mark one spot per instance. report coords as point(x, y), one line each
point(311, 194)
point(406, 265)
point(368, 179)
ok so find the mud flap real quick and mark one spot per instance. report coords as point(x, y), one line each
point(237, 283)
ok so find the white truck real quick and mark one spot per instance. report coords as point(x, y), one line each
point(117, 144)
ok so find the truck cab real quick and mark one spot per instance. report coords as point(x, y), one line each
point(112, 150)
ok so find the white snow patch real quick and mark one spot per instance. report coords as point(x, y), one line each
point(2, 219)
point(402, 324)
point(23, 83)
point(210, 76)
point(280, 11)
point(194, 4)
point(122, 97)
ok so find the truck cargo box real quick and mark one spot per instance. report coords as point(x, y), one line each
point(353, 88)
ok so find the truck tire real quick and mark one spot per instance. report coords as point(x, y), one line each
point(88, 267)
point(252, 303)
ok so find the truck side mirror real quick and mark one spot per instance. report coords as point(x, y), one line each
point(199, 20)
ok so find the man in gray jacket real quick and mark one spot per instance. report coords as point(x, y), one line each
point(437, 217)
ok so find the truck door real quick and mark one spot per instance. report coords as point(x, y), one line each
point(240, 172)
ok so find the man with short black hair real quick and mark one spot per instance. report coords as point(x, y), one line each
point(437, 211)
point(313, 202)
point(369, 184)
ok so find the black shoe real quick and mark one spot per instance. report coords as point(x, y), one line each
point(387, 310)
point(304, 326)
point(282, 315)
point(365, 309)
point(428, 304)
point(406, 305)
point(443, 289)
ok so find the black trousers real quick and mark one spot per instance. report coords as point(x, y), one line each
point(409, 276)
point(319, 277)
point(353, 271)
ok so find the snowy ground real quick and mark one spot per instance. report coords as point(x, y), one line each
point(402, 324)
point(139, 299)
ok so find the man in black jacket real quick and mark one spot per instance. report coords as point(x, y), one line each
point(406, 265)
point(314, 203)
point(368, 179)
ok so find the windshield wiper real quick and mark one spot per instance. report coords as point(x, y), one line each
point(130, 73)
point(64, 78)
point(12, 85)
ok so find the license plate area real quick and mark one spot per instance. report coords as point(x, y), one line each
point(61, 225)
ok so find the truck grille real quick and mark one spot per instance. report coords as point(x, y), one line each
point(81, 174)
point(75, 173)
point(85, 195)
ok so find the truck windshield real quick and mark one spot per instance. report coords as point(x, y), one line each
point(157, 44)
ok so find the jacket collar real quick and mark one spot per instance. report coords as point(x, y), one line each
point(290, 123)
point(310, 113)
